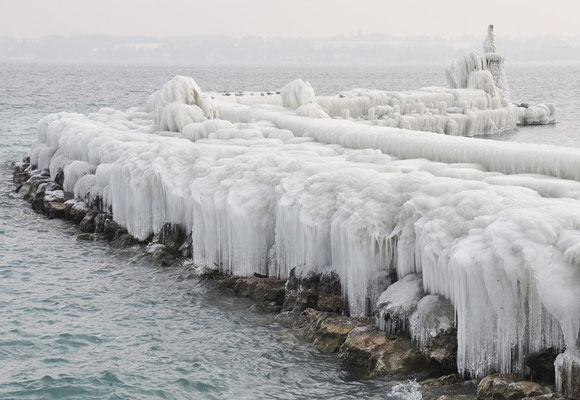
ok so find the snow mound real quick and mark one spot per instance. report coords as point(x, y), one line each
point(398, 302)
point(178, 103)
point(297, 93)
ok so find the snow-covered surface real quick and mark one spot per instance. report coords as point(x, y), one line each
point(434, 315)
point(398, 302)
point(492, 226)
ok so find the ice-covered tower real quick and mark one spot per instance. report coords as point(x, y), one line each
point(489, 43)
point(495, 65)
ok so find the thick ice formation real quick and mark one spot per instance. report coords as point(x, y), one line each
point(477, 101)
point(491, 226)
point(434, 316)
point(297, 93)
point(398, 302)
point(262, 197)
point(178, 103)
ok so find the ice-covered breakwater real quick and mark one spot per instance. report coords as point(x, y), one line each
point(493, 227)
point(477, 102)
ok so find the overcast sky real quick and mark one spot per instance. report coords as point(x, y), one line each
point(297, 18)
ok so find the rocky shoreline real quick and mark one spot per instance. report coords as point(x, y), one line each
point(319, 312)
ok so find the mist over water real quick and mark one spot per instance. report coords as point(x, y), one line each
point(80, 320)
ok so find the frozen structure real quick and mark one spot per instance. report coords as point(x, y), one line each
point(477, 101)
point(493, 227)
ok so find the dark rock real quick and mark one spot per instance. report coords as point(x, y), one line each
point(374, 353)
point(111, 229)
point(75, 211)
point(551, 396)
point(165, 255)
point(330, 284)
point(87, 224)
point(59, 177)
point(265, 289)
point(445, 380)
point(186, 248)
point(54, 209)
point(318, 291)
point(122, 241)
point(23, 188)
point(456, 397)
point(297, 301)
point(172, 235)
point(100, 219)
point(38, 203)
point(91, 237)
point(541, 365)
point(509, 387)
point(443, 349)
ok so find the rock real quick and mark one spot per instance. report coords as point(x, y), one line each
point(265, 289)
point(456, 397)
point(59, 177)
point(432, 325)
point(172, 235)
point(54, 209)
point(186, 247)
point(317, 291)
point(327, 331)
point(122, 241)
point(87, 224)
point(24, 188)
point(398, 302)
point(38, 203)
point(380, 281)
point(445, 380)
point(75, 210)
point(374, 353)
point(111, 229)
point(301, 293)
point(331, 303)
point(100, 219)
point(541, 365)
point(165, 255)
point(91, 237)
point(509, 387)
point(568, 367)
point(443, 350)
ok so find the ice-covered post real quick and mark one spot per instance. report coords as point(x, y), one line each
point(568, 372)
point(495, 65)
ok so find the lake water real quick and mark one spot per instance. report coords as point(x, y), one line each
point(80, 320)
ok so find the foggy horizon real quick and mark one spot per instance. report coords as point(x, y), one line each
point(338, 49)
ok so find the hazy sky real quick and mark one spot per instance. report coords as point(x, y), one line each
point(310, 18)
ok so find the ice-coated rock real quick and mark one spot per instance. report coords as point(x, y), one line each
point(398, 302)
point(297, 93)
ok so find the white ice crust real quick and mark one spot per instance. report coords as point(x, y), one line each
point(494, 227)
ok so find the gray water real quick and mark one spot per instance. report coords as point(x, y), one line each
point(80, 320)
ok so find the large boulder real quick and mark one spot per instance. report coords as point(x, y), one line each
point(373, 353)
point(509, 387)
point(398, 302)
point(326, 330)
point(432, 325)
point(541, 365)
point(568, 373)
point(269, 290)
point(319, 291)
